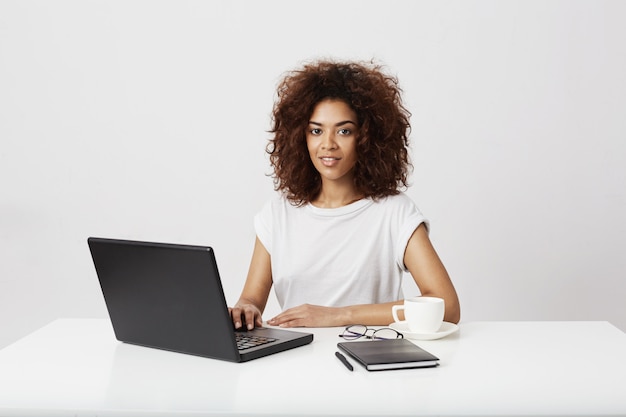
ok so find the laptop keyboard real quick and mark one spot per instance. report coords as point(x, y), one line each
point(245, 341)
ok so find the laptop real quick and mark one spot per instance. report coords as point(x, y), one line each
point(169, 296)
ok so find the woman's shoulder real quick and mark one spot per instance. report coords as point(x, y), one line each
point(278, 203)
point(398, 205)
point(400, 200)
point(404, 210)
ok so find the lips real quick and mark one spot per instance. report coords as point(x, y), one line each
point(329, 161)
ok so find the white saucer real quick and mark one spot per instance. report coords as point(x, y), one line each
point(445, 330)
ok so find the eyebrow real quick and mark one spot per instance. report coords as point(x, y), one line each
point(311, 122)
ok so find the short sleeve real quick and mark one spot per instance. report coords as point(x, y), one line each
point(410, 219)
point(263, 226)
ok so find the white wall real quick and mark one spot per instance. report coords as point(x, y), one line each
point(148, 120)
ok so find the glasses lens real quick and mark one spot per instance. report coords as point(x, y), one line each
point(386, 333)
point(354, 332)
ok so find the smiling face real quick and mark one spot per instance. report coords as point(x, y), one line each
point(331, 139)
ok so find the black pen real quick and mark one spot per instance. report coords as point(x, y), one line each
point(344, 361)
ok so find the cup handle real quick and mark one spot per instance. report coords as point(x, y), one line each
point(394, 312)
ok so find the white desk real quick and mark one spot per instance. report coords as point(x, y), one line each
point(75, 367)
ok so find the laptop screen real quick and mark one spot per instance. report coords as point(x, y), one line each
point(165, 296)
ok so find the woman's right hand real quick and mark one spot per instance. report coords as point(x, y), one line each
point(245, 314)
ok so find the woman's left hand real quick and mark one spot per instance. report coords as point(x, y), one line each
point(307, 315)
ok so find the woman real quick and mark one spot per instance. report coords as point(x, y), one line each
point(337, 240)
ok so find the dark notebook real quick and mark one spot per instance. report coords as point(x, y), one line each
point(378, 355)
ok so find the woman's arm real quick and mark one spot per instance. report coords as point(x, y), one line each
point(308, 315)
point(256, 291)
point(428, 272)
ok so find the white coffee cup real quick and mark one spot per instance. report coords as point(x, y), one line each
point(422, 314)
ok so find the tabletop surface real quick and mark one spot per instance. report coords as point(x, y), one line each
point(75, 367)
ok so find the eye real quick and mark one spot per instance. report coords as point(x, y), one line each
point(344, 132)
point(315, 131)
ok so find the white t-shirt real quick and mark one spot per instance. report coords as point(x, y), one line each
point(338, 257)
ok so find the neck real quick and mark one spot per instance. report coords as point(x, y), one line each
point(335, 196)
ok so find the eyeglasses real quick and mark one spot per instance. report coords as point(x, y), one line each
point(357, 331)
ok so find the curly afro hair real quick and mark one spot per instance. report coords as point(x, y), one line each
point(382, 145)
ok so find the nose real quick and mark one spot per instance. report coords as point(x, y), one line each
point(328, 141)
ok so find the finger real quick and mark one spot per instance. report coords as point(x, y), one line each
point(277, 320)
point(250, 316)
point(288, 318)
point(287, 314)
point(296, 322)
point(235, 313)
